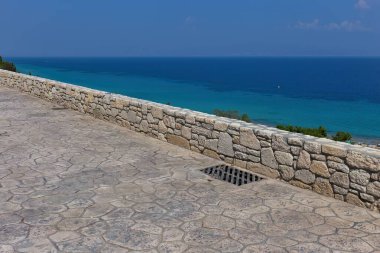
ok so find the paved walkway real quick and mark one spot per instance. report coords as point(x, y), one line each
point(71, 183)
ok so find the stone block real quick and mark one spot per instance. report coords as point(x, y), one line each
point(178, 140)
point(287, 172)
point(304, 160)
point(312, 147)
point(284, 158)
point(220, 126)
point(268, 159)
point(338, 166)
point(279, 142)
point(186, 132)
point(211, 153)
point(334, 150)
point(248, 139)
point(319, 168)
point(225, 145)
point(355, 200)
point(263, 170)
point(359, 177)
point(323, 186)
point(340, 179)
point(157, 112)
point(360, 161)
point(295, 141)
point(305, 176)
point(373, 188)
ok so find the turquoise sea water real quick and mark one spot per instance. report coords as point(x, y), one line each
point(342, 94)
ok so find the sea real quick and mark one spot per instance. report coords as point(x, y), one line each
point(339, 93)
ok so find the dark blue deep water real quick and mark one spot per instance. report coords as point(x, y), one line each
point(339, 93)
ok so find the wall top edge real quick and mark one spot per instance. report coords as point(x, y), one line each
point(256, 128)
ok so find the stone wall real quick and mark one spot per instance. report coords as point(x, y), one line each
point(346, 172)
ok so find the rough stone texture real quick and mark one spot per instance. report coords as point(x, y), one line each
point(312, 147)
point(263, 170)
point(225, 144)
point(340, 179)
point(353, 199)
point(305, 176)
point(268, 159)
point(231, 141)
point(374, 189)
point(304, 160)
point(249, 139)
point(279, 143)
point(178, 140)
point(284, 158)
point(360, 177)
point(323, 186)
point(72, 183)
point(360, 161)
point(319, 168)
point(334, 150)
point(286, 172)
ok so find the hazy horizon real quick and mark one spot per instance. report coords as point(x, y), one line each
point(215, 28)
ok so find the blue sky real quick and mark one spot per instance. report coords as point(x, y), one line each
point(190, 28)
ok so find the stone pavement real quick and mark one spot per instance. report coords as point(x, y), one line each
point(71, 183)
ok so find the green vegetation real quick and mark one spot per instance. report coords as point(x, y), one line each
point(317, 132)
point(7, 65)
point(342, 136)
point(232, 114)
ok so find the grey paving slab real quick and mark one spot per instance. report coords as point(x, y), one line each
point(71, 183)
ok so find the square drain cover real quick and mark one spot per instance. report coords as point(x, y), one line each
point(231, 174)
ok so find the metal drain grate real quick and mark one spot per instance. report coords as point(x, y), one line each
point(231, 174)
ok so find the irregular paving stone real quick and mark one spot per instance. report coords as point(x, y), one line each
point(263, 248)
point(6, 219)
point(204, 236)
point(123, 192)
point(6, 249)
point(339, 242)
point(83, 244)
point(133, 239)
point(172, 247)
point(13, 233)
point(246, 236)
point(75, 223)
point(35, 245)
point(228, 245)
point(44, 219)
point(218, 222)
point(308, 247)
